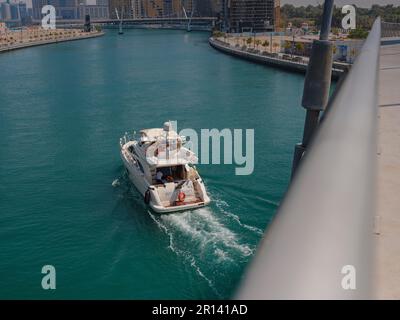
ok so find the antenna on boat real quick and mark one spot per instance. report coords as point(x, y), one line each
point(167, 129)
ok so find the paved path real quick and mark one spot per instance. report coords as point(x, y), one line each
point(388, 221)
point(44, 42)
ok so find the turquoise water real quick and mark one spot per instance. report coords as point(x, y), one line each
point(64, 197)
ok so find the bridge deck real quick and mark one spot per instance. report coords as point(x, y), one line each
point(388, 222)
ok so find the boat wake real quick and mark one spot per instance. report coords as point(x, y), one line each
point(205, 243)
point(211, 240)
point(222, 205)
point(115, 183)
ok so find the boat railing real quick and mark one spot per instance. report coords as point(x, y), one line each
point(128, 136)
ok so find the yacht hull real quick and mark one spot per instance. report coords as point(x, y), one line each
point(155, 203)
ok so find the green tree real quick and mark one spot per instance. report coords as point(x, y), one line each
point(265, 44)
point(358, 34)
point(288, 45)
point(218, 34)
point(299, 47)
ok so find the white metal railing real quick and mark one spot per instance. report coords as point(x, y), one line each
point(324, 225)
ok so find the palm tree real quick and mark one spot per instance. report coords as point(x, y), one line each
point(249, 41)
point(288, 45)
point(299, 48)
point(265, 44)
point(275, 45)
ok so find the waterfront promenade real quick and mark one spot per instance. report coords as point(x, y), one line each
point(387, 233)
point(279, 60)
point(36, 37)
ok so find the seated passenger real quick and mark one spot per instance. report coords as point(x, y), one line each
point(159, 176)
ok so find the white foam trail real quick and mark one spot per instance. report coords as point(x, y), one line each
point(276, 204)
point(183, 254)
point(201, 274)
point(115, 183)
point(202, 226)
point(222, 256)
point(164, 228)
point(221, 203)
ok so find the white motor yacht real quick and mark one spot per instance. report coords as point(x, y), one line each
point(163, 170)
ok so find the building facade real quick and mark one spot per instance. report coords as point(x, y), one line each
point(277, 16)
point(128, 9)
point(251, 15)
point(65, 9)
point(5, 11)
point(137, 9)
point(98, 10)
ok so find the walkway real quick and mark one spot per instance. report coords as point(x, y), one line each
point(388, 221)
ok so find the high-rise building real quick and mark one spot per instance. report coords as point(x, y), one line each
point(216, 7)
point(204, 8)
point(168, 10)
point(154, 8)
point(23, 11)
point(277, 15)
point(189, 6)
point(65, 9)
point(5, 11)
point(177, 8)
point(136, 9)
point(128, 9)
point(14, 10)
point(124, 6)
point(97, 9)
point(251, 15)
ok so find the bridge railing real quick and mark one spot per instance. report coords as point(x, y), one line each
point(319, 245)
point(390, 30)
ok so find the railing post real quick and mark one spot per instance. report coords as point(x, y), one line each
point(317, 83)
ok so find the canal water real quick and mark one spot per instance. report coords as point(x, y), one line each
point(65, 200)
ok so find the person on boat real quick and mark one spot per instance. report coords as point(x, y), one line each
point(159, 177)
